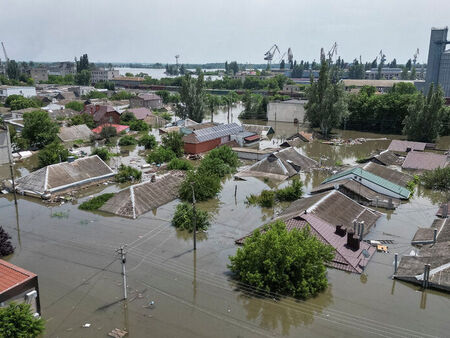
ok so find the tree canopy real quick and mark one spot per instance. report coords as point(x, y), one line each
point(174, 141)
point(17, 321)
point(192, 98)
point(39, 129)
point(281, 261)
point(183, 218)
point(52, 153)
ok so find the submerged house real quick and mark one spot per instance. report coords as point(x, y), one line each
point(335, 220)
point(372, 181)
point(279, 165)
point(386, 158)
point(144, 197)
point(73, 133)
point(203, 140)
point(399, 146)
point(424, 161)
point(61, 177)
point(392, 175)
point(262, 131)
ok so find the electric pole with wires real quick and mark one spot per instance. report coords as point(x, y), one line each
point(123, 257)
point(194, 216)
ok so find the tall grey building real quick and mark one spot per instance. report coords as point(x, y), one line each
point(438, 68)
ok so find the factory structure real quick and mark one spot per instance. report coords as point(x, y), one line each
point(438, 68)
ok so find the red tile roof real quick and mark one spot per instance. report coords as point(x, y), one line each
point(12, 276)
point(425, 161)
point(119, 128)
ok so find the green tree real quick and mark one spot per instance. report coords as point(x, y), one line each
point(39, 130)
point(192, 98)
point(83, 78)
point(127, 174)
point(437, 179)
point(6, 247)
point(17, 321)
point(356, 70)
point(281, 261)
point(127, 117)
point(213, 101)
point(183, 218)
point(326, 102)
point(282, 64)
point(423, 122)
point(160, 155)
point(12, 70)
point(174, 141)
point(179, 164)
point(83, 64)
point(75, 105)
point(139, 125)
point(84, 118)
point(148, 141)
point(108, 132)
point(127, 140)
point(122, 95)
point(206, 186)
point(52, 153)
point(103, 153)
point(23, 102)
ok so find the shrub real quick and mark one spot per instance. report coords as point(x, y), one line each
point(205, 186)
point(127, 173)
point(127, 140)
point(122, 95)
point(108, 132)
point(292, 192)
point(127, 117)
point(214, 166)
point(438, 179)
point(39, 130)
point(174, 141)
point(17, 320)
point(179, 164)
point(281, 261)
point(83, 118)
point(6, 247)
point(266, 199)
point(97, 95)
point(166, 116)
point(95, 202)
point(103, 153)
point(52, 153)
point(139, 125)
point(183, 218)
point(226, 154)
point(160, 155)
point(75, 105)
point(148, 141)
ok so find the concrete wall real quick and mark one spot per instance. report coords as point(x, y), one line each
point(24, 91)
point(286, 111)
point(444, 73)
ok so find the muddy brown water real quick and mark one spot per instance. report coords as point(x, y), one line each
point(73, 252)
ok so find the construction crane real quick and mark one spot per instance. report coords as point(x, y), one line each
point(270, 54)
point(290, 56)
point(176, 58)
point(282, 57)
point(4, 52)
point(416, 54)
point(332, 51)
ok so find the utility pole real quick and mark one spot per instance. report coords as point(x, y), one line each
point(195, 216)
point(123, 257)
point(11, 165)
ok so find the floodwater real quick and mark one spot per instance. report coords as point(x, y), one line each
point(73, 252)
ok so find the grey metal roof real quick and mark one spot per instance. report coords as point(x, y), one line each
point(221, 130)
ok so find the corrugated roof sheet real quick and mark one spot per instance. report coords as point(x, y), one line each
point(12, 276)
point(140, 113)
point(212, 133)
point(401, 146)
point(373, 179)
point(79, 132)
point(392, 175)
point(424, 161)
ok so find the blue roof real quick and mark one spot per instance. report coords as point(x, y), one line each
point(388, 185)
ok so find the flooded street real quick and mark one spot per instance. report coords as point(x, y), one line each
point(73, 253)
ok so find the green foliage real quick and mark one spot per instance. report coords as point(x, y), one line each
point(148, 141)
point(17, 321)
point(192, 97)
point(108, 132)
point(122, 95)
point(83, 118)
point(105, 85)
point(423, 122)
point(96, 202)
point(205, 186)
point(338, 163)
point(103, 153)
point(226, 155)
point(266, 199)
point(127, 140)
point(127, 117)
point(292, 192)
point(161, 155)
point(183, 218)
point(166, 116)
point(94, 94)
point(6, 248)
point(164, 94)
point(68, 79)
point(255, 106)
point(326, 105)
point(39, 130)
point(287, 262)
point(83, 78)
point(437, 179)
point(75, 105)
point(52, 153)
point(83, 63)
point(356, 70)
point(127, 173)
point(179, 164)
point(139, 125)
point(17, 102)
point(174, 142)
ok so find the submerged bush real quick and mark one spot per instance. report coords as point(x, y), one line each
point(127, 140)
point(292, 192)
point(160, 155)
point(6, 247)
point(184, 218)
point(179, 164)
point(266, 199)
point(103, 153)
point(127, 173)
point(438, 179)
point(148, 141)
point(95, 202)
point(205, 186)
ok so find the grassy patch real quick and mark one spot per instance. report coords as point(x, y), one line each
point(96, 202)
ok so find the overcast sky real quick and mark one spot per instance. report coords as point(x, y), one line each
point(216, 30)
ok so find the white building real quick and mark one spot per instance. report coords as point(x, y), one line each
point(6, 91)
point(101, 74)
point(286, 111)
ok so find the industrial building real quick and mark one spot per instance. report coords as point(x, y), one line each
point(286, 111)
point(101, 74)
point(6, 91)
point(438, 68)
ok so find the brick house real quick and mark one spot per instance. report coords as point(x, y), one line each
point(103, 113)
point(202, 140)
point(147, 100)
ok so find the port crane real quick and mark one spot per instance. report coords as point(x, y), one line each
point(176, 59)
point(332, 51)
point(270, 54)
point(416, 54)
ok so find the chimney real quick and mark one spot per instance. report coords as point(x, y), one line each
point(352, 240)
point(408, 149)
point(340, 230)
